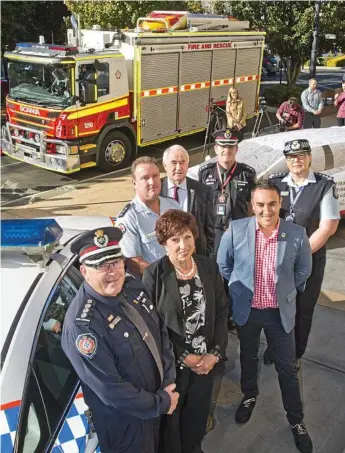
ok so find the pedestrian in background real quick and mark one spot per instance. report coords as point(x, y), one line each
point(312, 103)
point(188, 292)
point(235, 113)
point(267, 260)
point(290, 115)
point(339, 101)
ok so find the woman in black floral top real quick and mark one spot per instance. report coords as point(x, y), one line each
point(189, 294)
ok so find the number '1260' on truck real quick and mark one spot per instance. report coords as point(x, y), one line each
point(107, 93)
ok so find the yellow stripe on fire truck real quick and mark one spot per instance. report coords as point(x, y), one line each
point(198, 86)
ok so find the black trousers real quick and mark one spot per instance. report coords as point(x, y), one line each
point(184, 430)
point(282, 346)
point(305, 304)
point(341, 122)
point(311, 121)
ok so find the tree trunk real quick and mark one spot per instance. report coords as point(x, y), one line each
point(293, 69)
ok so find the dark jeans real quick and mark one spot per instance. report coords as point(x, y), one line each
point(305, 304)
point(341, 122)
point(184, 430)
point(282, 345)
point(311, 121)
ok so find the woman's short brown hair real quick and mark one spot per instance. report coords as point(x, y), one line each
point(173, 223)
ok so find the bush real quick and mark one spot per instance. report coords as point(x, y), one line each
point(277, 94)
point(337, 62)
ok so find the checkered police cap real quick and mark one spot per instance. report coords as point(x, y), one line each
point(98, 246)
point(225, 137)
point(296, 147)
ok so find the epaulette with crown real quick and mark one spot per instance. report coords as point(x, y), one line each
point(208, 165)
point(278, 175)
point(85, 314)
point(124, 210)
point(324, 176)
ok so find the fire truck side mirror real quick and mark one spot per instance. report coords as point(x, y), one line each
point(89, 93)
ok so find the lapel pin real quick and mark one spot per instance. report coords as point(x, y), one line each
point(283, 235)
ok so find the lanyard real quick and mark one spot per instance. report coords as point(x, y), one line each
point(229, 178)
point(293, 200)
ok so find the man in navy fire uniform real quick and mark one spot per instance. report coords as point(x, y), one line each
point(119, 347)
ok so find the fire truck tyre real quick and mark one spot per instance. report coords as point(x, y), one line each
point(115, 152)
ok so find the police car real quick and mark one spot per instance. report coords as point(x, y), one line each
point(42, 407)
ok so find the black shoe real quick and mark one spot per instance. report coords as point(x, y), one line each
point(231, 325)
point(245, 410)
point(302, 439)
point(268, 359)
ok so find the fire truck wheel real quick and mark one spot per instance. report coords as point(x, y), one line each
point(115, 151)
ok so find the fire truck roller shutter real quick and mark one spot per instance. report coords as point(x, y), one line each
point(195, 69)
point(223, 70)
point(159, 83)
point(247, 64)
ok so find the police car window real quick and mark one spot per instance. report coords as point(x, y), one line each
point(52, 381)
point(96, 73)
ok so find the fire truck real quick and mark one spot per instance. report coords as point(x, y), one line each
point(96, 100)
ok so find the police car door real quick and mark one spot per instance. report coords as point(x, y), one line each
point(51, 413)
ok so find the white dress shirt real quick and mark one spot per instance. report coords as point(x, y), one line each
point(182, 193)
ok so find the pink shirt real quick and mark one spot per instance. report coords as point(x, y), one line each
point(341, 105)
point(265, 295)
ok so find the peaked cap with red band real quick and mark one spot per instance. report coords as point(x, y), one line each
point(226, 137)
point(98, 246)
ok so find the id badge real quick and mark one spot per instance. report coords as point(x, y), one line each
point(221, 204)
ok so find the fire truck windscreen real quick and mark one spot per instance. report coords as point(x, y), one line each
point(42, 84)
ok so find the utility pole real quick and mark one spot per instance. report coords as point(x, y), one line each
point(313, 56)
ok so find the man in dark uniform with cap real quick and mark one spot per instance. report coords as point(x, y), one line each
point(119, 347)
point(231, 182)
point(309, 199)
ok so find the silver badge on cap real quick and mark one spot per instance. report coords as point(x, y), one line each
point(295, 145)
point(101, 239)
point(227, 133)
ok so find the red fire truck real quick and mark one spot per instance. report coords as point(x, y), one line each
point(107, 93)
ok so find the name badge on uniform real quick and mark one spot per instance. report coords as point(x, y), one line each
point(150, 235)
point(221, 204)
point(284, 193)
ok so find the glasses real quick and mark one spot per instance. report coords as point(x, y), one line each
point(301, 156)
point(105, 267)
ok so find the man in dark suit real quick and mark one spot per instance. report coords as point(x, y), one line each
point(193, 197)
point(267, 262)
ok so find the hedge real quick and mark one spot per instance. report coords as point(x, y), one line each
point(277, 94)
point(337, 62)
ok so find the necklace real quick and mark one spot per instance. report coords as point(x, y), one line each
point(188, 274)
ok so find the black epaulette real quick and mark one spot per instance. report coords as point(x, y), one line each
point(278, 175)
point(129, 277)
point(324, 176)
point(85, 314)
point(124, 210)
point(205, 166)
point(248, 168)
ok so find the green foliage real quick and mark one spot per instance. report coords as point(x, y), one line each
point(25, 21)
point(337, 62)
point(120, 14)
point(277, 94)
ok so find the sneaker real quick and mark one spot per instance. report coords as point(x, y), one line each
point(302, 439)
point(245, 410)
point(268, 359)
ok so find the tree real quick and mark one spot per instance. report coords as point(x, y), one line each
point(25, 21)
point(120, 14)
point(289, 26)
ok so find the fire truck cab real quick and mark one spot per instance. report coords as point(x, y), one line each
point(108, 92)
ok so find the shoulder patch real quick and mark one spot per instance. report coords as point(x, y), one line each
point(277, 175)
point(86, 344)
point(124, 210)
point(122, 227)
point(324, 176)
point(205, 166)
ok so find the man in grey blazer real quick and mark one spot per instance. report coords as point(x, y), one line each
point(267, 261)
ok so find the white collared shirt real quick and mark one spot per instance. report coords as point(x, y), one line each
point(182, 193)
point(329, 206)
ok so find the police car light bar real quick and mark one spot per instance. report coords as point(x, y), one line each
point(64, 50)
point(34, 234)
